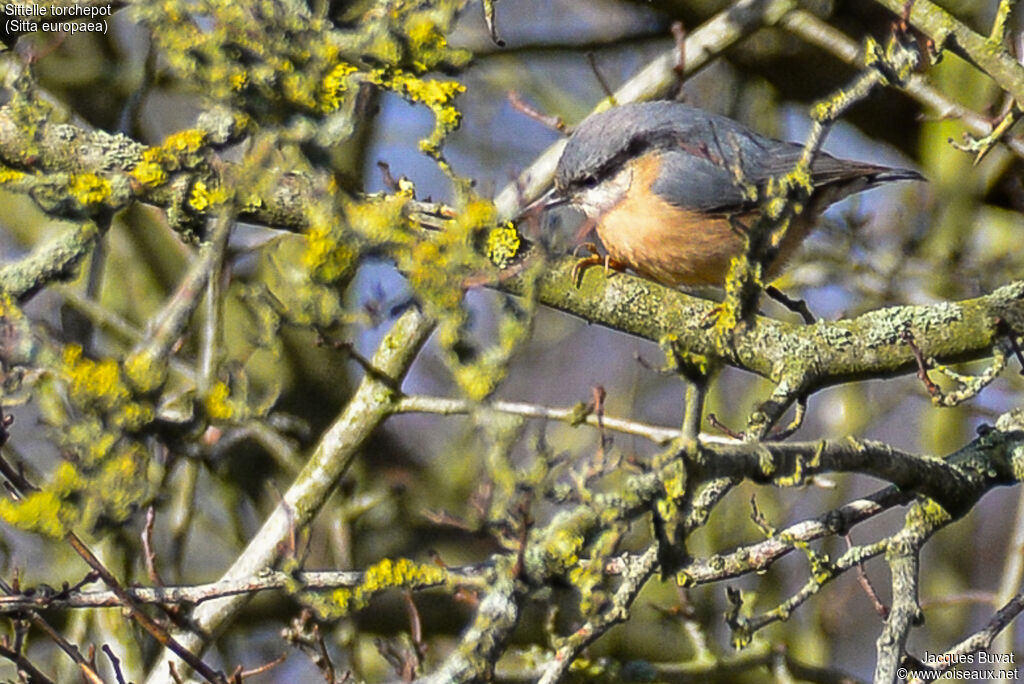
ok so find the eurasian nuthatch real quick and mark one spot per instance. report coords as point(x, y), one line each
point(672, 188)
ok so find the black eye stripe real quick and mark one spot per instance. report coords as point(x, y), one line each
point(636, 147)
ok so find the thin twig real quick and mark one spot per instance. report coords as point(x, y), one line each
point(140, 617)
point(371, 403)
point(573, 416)
point(819, 33)
point(33, 674)
point(922, 364)
point(869, 589)
point(639, 570)
point(523, 107)
point(608, 93)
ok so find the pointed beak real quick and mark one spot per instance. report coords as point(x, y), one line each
point(548, 200)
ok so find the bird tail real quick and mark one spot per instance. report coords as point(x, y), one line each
point(885, 175)
point(852, 178)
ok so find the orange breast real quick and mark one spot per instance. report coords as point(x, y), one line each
point(675, 246)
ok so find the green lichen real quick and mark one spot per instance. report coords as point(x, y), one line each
point(20, 346)
point(557, 551)
point(739, 623)
point(798, 475)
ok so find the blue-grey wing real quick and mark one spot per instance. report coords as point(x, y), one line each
point(733, 176)
point(709, 162)
point(691, 180)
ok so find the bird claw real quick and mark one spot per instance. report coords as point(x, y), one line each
point(595, 259)
point(710, 317)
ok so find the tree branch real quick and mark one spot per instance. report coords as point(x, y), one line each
point(804, 357)
point(370, 405)
point(819, 33)
point(949, 33)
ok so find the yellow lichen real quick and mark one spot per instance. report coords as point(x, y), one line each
point(149, 173)
point(387, 574)
point(188, 141)
point(435, 94)
point(89, 189)
point(134, 416)
point(65, 480)
point(377, 217)
point(93, 381)
point(328, 257)
point(334, 85)
point(218, 404)
point(10, 175)
point(40, 512)
point(145, 372)
point(99, 443)
point(202, 196)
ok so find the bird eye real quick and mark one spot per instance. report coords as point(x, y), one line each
point(589, 182)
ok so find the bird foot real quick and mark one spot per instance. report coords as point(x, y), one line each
point(595, 259)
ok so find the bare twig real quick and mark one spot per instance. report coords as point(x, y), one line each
point(573, 416)
point(147, 548)
point(524, 107)
point(608, 93)
point(32, 673)
point(869, 589)
point(266, 667)
point(140, 617)
point(115, 663)
point(372, 402)
point(983, 638)
point(797, 306)
point(634, 578)
point(819, 33)
point(922, 364)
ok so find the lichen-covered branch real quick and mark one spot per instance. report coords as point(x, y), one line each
point(276, 580)
point(761, 555)
point(482, 644)
point(947, 32)
point(903, 556)
point(822, 571)
point(983, 638)
point(821, 34)
point(56, 260)
point(371, 404)
point(807, 358)
point(635, 575)
point(953, 482)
